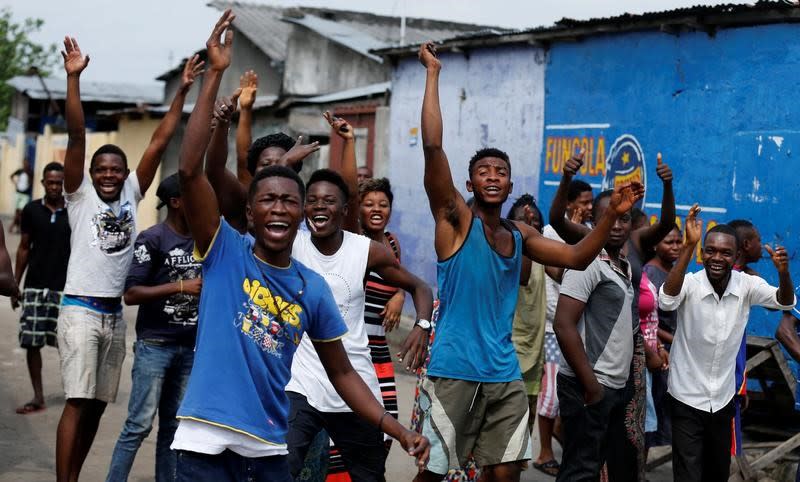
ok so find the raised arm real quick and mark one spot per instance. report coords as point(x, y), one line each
point(148, 165)
point(694, 230)
point(231, 193)
point(578, 256)
point(198, 196)
point(780, 259)
point(349, 170)
point(74, 63)
point(248, 83)
point(355, 393)
point(383, 262)
point(647, 237)
point(570, 231)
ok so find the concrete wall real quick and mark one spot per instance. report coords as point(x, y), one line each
point(315, 65)
point(721, 109)
point(491, 97)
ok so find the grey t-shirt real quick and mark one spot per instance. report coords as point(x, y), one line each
point(606, 326)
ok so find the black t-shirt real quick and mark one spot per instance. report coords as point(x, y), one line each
point(49, 253)
point(162, 256)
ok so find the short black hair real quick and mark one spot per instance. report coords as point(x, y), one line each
point(576, 188)
point(522, 201)
point(52, 166)
point(744, 229)
point(723, 229)
point(488, 152)
point(376, 184)
point(109, 149)
point(637, 216)
point(276, 171)
point(333, 177)
point(278, 139)
point(600, 197)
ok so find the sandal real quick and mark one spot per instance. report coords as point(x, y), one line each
point(30, 407)
point(551, 467)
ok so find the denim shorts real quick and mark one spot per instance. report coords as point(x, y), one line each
point(92, 348)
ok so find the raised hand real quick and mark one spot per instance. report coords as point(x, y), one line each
point(577, 215)
point(248, 84)
point(299, 151)
point(779, 257)
point(427, 55)
point(219, 52)
point(74, 60)
point(625, 196)
point(225, 107)
point(694, 227)
point(663, 170)
point(191, 69)
point(574, 163)
point(342, 128)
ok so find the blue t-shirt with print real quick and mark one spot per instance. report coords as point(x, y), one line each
point(252, 317)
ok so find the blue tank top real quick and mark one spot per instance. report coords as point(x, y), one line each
point(477, 296)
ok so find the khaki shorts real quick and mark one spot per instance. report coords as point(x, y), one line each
point(488, 421)
point(92, 349)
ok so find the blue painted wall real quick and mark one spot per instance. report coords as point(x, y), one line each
point(723, 111)
point(492, 97)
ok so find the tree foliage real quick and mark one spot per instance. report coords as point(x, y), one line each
point(19, 55)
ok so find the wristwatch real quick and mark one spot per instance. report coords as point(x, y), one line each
point(424, 324)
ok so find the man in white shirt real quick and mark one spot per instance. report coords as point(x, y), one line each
point(713, 307)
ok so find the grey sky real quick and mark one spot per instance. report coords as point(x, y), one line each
point(137, 40)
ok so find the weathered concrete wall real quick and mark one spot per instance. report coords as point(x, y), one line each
point(315, 65)
point(721, 109)
point(492, 97)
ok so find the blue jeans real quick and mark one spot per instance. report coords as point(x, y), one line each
point(231, 467)
point(160, 373)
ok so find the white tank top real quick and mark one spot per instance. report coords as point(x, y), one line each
point(344, 271)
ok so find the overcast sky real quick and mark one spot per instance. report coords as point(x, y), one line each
point(137, 40)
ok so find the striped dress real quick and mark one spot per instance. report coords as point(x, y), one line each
point(377, 294)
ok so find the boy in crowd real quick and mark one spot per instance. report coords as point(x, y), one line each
point(44, 248)
point(164, 280)
point(713, 307)
point(102, 214)
point(257, 304)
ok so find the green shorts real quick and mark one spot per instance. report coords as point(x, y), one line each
point(488, 421)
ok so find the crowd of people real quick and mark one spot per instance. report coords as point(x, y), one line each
point(264, 303)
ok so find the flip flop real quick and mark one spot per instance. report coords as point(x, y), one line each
point(551, 467)
point(30, 407)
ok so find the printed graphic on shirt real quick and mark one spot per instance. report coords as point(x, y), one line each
point(339, 284)
point(110, 232)
point(141, 254)
point(182, 308)
point(267, 319)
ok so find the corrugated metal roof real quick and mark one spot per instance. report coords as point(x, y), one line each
point(260, 102)
point(341, 33)
point(349, 94)
point(699, 17)
point(111, 92)
point(261, 24)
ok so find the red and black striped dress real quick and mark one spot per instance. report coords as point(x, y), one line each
point(377, 295)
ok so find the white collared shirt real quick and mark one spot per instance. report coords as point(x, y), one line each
point(709, 332)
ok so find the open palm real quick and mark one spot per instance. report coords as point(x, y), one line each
point(625, 196)
point(74, 60)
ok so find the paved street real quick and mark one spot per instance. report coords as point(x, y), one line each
point(27, 442)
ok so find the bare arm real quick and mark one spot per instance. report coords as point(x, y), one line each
point(450, 212)
point(231, 193)
point(565, 325)
point(383, 262)
point(554, 273)
point(248, 83)
point(355, 393)
point(647, 237)
point(571, 232)
point(780, 259)
point(578, 256)
point(349, 170)
point(694, 227)
point(786, 334)
point(148, 165)
point(136, 295)
point(74, 63)
point(198, 195)
point(23, 251)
